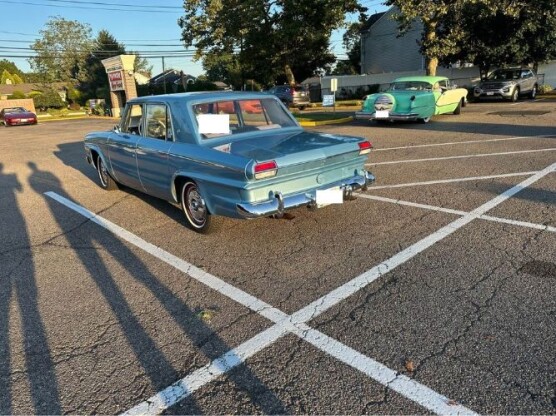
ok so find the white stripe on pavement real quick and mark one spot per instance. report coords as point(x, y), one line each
point(432, 159)
point(504, 139)
point(455, 180)
point(296, 322)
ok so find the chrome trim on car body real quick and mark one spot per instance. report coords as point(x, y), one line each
point(362, 115)
point(278, 203)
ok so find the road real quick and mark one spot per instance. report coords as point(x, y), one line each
point(433, 292)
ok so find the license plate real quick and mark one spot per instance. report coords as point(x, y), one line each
point(24, 120)
point(329, 196)
point(490, 93)
point(382, 114)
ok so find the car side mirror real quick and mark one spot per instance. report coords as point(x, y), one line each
point(117, 129)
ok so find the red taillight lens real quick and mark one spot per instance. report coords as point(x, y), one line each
point(266, 169)
point(365, 147)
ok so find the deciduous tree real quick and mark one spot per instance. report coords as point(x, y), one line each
point(260, 39)
point(62, 50)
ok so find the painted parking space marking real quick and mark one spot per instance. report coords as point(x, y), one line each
point(525, 224)
point(284, 324)
point(455, 180)
point(504, 139)
point(296, 323)
point(432, 159)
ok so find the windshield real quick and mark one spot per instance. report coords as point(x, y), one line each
point(222, 118)
point(15, 110)
point(410, 86)
point(504, 75)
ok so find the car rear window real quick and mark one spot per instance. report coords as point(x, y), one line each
point(222, 118)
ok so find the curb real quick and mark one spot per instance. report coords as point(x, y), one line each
point(325, 122)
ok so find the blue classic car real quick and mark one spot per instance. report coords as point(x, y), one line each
point(240, 155)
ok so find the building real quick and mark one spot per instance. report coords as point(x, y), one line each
point(383, 51)
point(171, 79)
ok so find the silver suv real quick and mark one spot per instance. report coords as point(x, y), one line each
point(509, 83)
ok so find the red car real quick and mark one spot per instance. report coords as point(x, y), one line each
point(15, 116)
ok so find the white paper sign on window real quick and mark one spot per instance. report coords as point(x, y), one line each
point(214, 123)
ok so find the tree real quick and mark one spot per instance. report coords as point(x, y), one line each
point(12, 68)
point(6, 77)
point(522, 36)
point(105, 46)
point(260, 39)
point(48, 99)
point(62, 50)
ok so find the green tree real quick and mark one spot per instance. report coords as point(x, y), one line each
point(261, 39)
point(6, 77)
point(12, 68)
point(17, 95)
point(105, 46)
point(16, 79)
point(62, 50)
point(442, 20)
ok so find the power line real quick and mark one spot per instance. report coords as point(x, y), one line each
point(89, 8)
point(115, 4)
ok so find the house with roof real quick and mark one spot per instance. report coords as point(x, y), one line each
point(383, 51)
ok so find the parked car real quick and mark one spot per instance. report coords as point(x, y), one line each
point(292, 96)
point(16, 116)
point(414, 98)
point(210, 154)
point(508, 83)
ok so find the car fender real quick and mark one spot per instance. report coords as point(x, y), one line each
point(96, 148)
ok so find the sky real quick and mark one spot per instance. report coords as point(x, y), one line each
point(141, 25)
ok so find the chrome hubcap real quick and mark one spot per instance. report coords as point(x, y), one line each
point(196, 206)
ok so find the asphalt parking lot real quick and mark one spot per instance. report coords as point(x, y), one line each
point(433, 292)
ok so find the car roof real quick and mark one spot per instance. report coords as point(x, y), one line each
point(195, 96)
point(421, 78)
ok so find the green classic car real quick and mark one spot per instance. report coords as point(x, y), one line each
point(414, 98)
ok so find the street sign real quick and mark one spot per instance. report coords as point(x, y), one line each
point(334, 84)
point(328, 100)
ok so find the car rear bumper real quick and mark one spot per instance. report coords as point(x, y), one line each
point(279, 203)
point(19, 122)
point(362, 115)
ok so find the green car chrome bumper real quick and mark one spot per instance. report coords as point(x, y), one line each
point(363, 115)
point(279, 203)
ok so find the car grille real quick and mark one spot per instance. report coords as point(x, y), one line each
point(493, 86)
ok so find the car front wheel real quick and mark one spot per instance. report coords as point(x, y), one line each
point(533, 92)
point(195, 209)
point(106, 181)
point(515, 95)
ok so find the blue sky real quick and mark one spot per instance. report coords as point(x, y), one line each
point(134, 23)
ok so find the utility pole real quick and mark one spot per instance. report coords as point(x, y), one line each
point(163, 75)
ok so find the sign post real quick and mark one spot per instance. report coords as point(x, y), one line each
point(333, 89)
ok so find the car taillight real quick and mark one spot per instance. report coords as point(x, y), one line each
point(365, 147)
point(266, 169)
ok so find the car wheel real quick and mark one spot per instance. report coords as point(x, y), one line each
point(533, 92)
point(106, 181)
point(457, 111)
point(515, 95)
point(194, 208)
point(424, 120)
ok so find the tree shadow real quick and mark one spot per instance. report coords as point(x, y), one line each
point(159, 370)
point(20, 283)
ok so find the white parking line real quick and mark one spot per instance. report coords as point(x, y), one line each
point(296, 323)
point(475, 178)
point(395, 162)
point(461, 213)
point(284, 324)
point(504, 139)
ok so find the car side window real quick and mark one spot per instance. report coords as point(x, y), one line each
point(157, 122)
point(131, 122)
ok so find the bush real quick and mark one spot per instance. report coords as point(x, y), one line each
point(74, 107)
point(17, 95)
point(545, 88)
point(48, 99)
